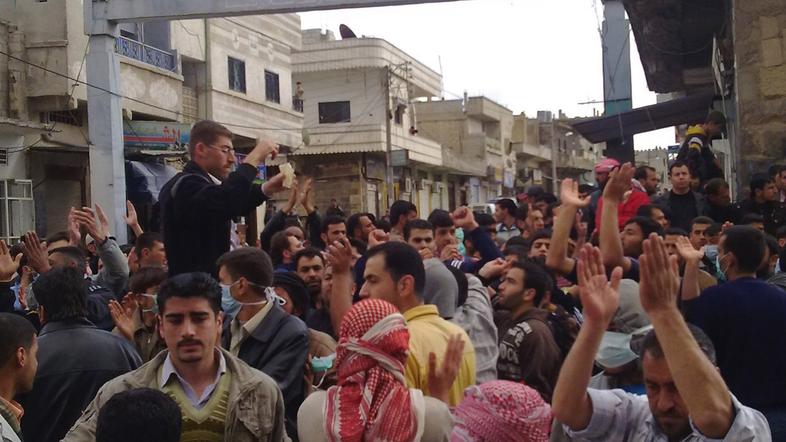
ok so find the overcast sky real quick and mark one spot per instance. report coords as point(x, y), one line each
point(527, 55)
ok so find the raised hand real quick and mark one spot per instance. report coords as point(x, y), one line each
point(619, 183)
point(686, 250)
point(426, 253)
point(292, 201)
point(74, 235)
point(131, 216)
point(464, 218)
point(659, 281)
point(8, 264)
point(36, 253)
point(273, 185)
point(377, 237)
point(262, 150)
point(569, 194)
point(122, 320)
point(450, 251)
point(441, 378)
point(599, 296)
point(493, 269)
point(103, 220)
point(88, 219)
point(305, 198)
point(24, 285)
point(339, 254)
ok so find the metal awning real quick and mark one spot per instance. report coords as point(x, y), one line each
point(690, 109)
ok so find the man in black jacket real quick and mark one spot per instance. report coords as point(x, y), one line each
point(74, 357)
point(198, 204)
point(262, 334)
point(684, 203)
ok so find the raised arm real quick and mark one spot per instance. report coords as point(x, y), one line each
point(610, 242)
point(690, 279)
point(340, 257)
point(278, 220)
point(114, 275)
point(698, 381)
point(571, 403)
point(132, 220)
point(557, 258)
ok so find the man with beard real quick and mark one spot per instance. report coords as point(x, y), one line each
point(528, 351)
point(686, 400)
point(310, 266)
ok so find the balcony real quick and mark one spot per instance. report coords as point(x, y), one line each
point(481, 144)
point(146, 54)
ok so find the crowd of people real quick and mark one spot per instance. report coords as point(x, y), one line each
point(608, 312)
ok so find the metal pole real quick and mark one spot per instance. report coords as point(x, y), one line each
point(107, 162)
point(388, 140)
point(554, 157)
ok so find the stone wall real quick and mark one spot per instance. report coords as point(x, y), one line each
point(760, 52)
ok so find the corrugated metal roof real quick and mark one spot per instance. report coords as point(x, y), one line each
point(347, 148)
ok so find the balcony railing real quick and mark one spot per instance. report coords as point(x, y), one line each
point(146, 54)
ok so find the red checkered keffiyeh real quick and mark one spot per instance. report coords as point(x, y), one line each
point(501, 411)
point(371, 401)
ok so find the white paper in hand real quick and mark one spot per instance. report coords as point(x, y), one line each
point(289, 174)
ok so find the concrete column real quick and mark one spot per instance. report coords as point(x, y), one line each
point(107, 168)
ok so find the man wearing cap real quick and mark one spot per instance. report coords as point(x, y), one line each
point(602, 170)
point(696, 151)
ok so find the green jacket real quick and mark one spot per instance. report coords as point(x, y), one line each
point(256, 410)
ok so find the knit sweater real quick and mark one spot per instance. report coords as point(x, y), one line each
point(206, 424)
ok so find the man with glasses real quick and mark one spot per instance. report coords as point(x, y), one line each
point(198, 204)
point(262, 334)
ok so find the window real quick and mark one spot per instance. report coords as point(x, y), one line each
point(334, 112)
point(16, 208)
point(237, 75)
point(271, 87)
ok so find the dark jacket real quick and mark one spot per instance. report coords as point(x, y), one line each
point(74, 360)
point(696, 153)
point(484, 245)
point(773, 212)
point(278, 347)
point(702, 209)
point(196, 214)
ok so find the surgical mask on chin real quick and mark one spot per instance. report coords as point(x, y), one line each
point(719, 270)
point(153, 309)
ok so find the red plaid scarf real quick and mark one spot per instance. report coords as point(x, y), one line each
point(371, 401)
point(501, 411)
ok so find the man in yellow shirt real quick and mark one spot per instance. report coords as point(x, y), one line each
point(395, 273)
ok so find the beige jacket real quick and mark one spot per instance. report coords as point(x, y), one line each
point(256, 412)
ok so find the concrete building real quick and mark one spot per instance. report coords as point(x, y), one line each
point(532, 144)
point(234, 70)
point(476, 137)
point(350, 87)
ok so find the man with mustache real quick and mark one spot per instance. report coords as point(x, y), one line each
point(220, 396)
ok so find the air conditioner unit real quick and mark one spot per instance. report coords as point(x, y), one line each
point(422, 184)
point(408, 185)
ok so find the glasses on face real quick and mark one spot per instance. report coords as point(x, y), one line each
point(226, 150)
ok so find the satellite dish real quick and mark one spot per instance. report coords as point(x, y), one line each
point(346, 32)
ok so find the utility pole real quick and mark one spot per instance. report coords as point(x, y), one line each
point(554, 158)
point(388, 140)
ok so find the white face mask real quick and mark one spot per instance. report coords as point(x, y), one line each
point(615, 351)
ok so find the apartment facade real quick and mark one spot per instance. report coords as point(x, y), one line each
point(476, 136)
point(349, 88)
point(233, 70)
